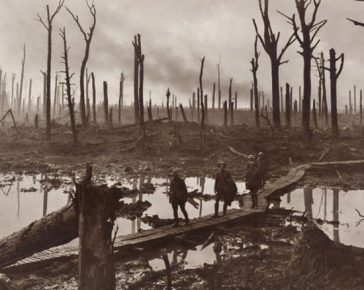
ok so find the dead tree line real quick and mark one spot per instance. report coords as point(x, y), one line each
point(138, 82)
point(269, 40)
point(48, 25)
point(87, 35)
point(67, 82)
point(306, 34)
point(255, 94)
point(334, 75)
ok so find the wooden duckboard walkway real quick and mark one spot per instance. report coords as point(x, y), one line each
point(168, 232)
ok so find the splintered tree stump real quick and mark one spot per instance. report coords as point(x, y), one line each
point(96, 222)
point(183, 113)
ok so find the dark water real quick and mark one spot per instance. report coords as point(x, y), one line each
point(25, 198)
point(335, 207)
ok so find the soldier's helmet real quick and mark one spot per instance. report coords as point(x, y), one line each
point(221, 164)
point(260, 154)
point(251, 157)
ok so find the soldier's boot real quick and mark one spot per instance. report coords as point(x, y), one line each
point(253, 200)
point(216, 209)
point(225, 209)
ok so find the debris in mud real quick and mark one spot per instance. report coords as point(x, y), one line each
point(132, 210)
point(31, 189)
point(156, 222)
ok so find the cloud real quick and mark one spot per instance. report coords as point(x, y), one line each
point(175, 35)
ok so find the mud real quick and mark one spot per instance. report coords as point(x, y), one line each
point(255, 254)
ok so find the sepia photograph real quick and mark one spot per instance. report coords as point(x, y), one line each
point(195, 144)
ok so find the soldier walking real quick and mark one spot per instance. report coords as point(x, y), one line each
point(178, 197)
point(223, 185)
point(253, 180)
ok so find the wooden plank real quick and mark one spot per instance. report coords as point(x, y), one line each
point(293, 176)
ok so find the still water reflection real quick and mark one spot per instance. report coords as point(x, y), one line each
point(337, 208)
point(26, 198)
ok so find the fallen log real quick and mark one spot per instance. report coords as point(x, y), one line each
point(55, 229)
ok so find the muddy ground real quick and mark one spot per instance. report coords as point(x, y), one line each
point(118, 151)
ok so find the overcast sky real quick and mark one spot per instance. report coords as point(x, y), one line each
point(175, 35)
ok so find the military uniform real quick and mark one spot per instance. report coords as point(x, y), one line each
point(178, 197)
point(253, 181)
point(225, 189)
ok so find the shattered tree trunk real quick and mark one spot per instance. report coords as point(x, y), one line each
point(334, 75)
point(150, 113)
point(288, 107)
point(29, 96)
point(106, 104)
point(93, 98)
point(136, 82)
point(231, 107)
point(361, 107)
point(96, 222)
point(183, 113)
point(121, 96)
point(314, 114)
point(325, 107)
point(168, 95)
point(193, 106)
point(225, 114)
point(60, 227)
point(21, 79)
point(68, 86)
point(213, 96)
point(255, 65)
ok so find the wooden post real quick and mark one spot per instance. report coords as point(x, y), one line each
point(106, 104)
point(282, 106)
point(236, 100)
point(97, 207)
